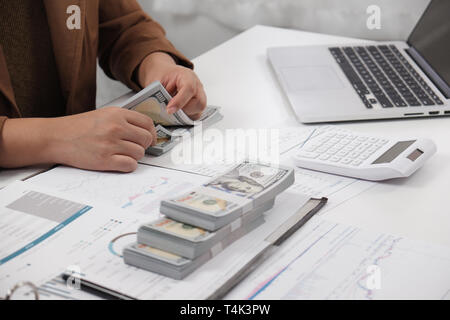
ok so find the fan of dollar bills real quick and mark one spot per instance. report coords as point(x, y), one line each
point(152, 101)
point(200, 224)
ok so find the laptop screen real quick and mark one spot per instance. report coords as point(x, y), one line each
point(431, 37)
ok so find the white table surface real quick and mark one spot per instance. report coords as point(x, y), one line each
point(238, 77)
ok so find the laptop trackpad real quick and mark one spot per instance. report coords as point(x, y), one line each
point(306, 78)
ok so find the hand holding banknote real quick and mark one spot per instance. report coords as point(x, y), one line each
point(107, 139)
point(181, 83)
point(153, 102)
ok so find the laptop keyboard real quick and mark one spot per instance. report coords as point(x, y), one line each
point(381, 75)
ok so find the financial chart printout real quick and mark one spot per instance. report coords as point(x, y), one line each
point(43, 232)
point(140, 191)
point(31, 219)
point(328, 260)
point(104, 265)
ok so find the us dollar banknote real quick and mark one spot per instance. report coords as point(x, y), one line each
point(190, 241)
point(152, 102)
point(165, 140)
point(226, 197)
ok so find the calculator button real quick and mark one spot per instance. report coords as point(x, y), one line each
point(342, 153)
point(324, 157)
point(373, 140)
point(360, 149)
point(365, 155)
point(354, 155)
point(322, 149)
point(372, 149)
point(335, 159)
point(361, 139)
point(346, 161)
point(349, 148)
point(381, 143)
point(356, 163)
point(333, 150)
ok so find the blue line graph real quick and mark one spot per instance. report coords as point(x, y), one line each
point(150, 190)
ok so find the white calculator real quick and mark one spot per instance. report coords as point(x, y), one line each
point(343, 152)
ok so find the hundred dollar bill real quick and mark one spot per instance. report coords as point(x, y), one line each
point(188, 240)
point(248, 180)
point(206, 203)
point(224, 198)
point(175, 266)
point(164, 142)
point(177, 229)
point(152, 101)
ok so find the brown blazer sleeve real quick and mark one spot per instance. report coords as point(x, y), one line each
point(126, 36)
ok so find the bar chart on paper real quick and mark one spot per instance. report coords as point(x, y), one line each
point(37, 225)
point(24, 219)
point(327, 260)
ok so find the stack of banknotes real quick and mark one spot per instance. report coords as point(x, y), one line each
point(200, 224)
point(152, 101)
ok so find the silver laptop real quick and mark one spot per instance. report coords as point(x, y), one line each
point(360, 82)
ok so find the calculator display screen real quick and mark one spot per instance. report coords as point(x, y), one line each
point(393, 152)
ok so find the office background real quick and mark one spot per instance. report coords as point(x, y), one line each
point(196, 26)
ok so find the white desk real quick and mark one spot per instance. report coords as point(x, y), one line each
point(238, 77)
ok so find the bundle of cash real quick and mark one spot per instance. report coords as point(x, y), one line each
point(190, 241)
point(165, 141)
point(152, 101)
point(175, 266)
point(200, 224)
point(227, 197)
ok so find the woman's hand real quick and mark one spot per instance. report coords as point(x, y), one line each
point(108, 139)
point(182, 83)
